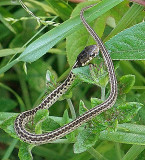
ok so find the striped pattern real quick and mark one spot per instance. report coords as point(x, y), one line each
point(84, 57)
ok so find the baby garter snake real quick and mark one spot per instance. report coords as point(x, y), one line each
point(84, 57)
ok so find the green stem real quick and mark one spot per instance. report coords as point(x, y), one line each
point(140, 79)
point(138, 87)
point(118, 151)
point(72, 110)
point(63, 149)
point(10, 149)
point(24, 88)
point(9, 77)
point(96, 154)
point(103, 93)
point(61, 141)
point(21, 103)
point(62, 77)
point(8, 66)
point(40, 98)
point(133, 152)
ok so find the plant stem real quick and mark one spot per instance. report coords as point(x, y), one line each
point(62, 77)
point(20, 101)
point(9, 150)
point(118, 151)
point(96, 154)
point(71, 108)
point(40, 98)
point(138, 87)
point(140, 79)
point(24, 88)
point(133, 152)
point(61, 141)
point(103, 93)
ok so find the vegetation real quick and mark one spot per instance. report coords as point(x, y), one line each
point(38, 48)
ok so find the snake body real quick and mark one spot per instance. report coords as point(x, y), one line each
point(84, 57)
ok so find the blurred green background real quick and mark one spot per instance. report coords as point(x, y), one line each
point(23, 85)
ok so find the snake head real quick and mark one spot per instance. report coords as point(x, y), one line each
point(87, 55)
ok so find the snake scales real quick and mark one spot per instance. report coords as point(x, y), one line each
point(84, 57)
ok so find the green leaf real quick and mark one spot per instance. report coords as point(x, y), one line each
point(40, 116)
point(126, 83)
point(127, 111)
point(25, 152)
point(95, 102)
point(83, 73)
point(8, 2)
point(36, 76)
point(67, 95)
point(40, 46)
point(99, 75)
point(121, 99)
point(57, 119)
point(92, 75)
point(4, 32)
point(7, 52)
point(101, 121)
point(128, 44)
point(127, 136)
point(8, 124)
point(40, 6)
point(122, 113)
point(50, 79)
point(133, 14)
point(12, 51)
point(65, 118)
point(132, 128)
point(126, 133)
point(6, 115)
point(86, 139)
point(7, 24)
point(7, 104)
point(38, 127)
point(61, 8)
point(82, 108)
point(49, 124)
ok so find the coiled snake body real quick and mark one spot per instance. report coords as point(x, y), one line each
point(84, 57)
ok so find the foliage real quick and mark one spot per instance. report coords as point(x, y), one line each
point(118, 133)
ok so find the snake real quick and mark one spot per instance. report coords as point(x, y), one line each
point(83, 58)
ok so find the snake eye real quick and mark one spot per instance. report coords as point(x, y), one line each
point(87, 55)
